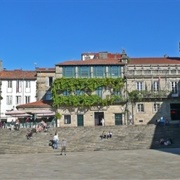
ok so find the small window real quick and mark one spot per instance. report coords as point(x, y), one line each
point(174, 87)
point(9, 84)
point(27, 99)
point(156, 106)
point(27, 84)
point(18, 99)
point(9, 100)
point(140, 107)
point(67, 119)
point(66, 93)
point(139, 85)
point(18, 86)
point(155, 86)
point(50, 81)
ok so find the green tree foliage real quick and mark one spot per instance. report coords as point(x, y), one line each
point(87, 86)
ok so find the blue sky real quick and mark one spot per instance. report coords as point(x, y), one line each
point(46, 32)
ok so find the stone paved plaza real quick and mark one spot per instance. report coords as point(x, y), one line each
point(124, 164)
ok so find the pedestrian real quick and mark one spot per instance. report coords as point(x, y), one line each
point(103, 122)
point(55, 141)
point(63, 147)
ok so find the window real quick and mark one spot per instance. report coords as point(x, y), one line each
point(99, 91)
point(114, 71)
point(174, 86)
point(79, 92)
point(9, 84)
point(84, 71)
point(69, 71)
point(27, 99)
point(18, 86)
point(18, 99)
point(50, 81)
point(99, 71)
point(139, 86)
point(67, 119)
point(155, 86)
point(118, 119)
point(66, 93)
point(156, 106)
point(140, 107)
point(27, 84)
point(9, 100)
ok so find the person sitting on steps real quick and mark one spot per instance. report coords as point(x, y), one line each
point(109, 135)
point(103, 135)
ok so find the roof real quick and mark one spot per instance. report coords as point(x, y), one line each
point(134, 61)
point(155, 60)
point(18, 74)
point(92, 62)
point(37, 104)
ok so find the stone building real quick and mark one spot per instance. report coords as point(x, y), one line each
point(157, 81)
point(151, 89)
point(94, 65)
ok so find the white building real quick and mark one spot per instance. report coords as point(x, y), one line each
point(17, 87)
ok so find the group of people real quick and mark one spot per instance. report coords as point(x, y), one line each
point(105, 135)
point(42, 126)
point(166, 142)
point(15, 125)
point(162, 121)
point(54, 142)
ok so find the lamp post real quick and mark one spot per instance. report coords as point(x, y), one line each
point(0, 98)
point(125, 59)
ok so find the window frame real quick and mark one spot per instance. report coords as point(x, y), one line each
point(67, 119)
point(68, 71)
point(86, 70)
point(116, 70)
point(9, 99)
point(140, 108)
point(139, 85)
point(99, 71)
point(156, 107)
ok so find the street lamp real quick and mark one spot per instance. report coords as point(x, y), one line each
point(125, 59)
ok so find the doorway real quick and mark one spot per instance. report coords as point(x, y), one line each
point(80, 120)
point(98, 117)
point(175, 111)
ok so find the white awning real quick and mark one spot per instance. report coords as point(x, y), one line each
point(21, 115)
point(41, 112)
point(45, 115)
point(14, 112)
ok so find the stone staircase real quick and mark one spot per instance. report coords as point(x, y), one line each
point(87, 138)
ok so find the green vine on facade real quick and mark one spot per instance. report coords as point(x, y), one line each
point(86, 88)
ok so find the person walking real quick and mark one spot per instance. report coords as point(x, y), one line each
point(63, 146)
point(55, 141)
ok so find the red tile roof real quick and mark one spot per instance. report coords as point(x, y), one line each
point(92, 62)
point(37, 104)
point(155, 60)
point(150, 60)
point(18, 74)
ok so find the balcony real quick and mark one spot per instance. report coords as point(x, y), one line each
point(161, 94)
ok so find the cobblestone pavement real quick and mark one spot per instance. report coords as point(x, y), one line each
point(124, 164)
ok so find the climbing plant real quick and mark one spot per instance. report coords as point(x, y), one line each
point(87, 86)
